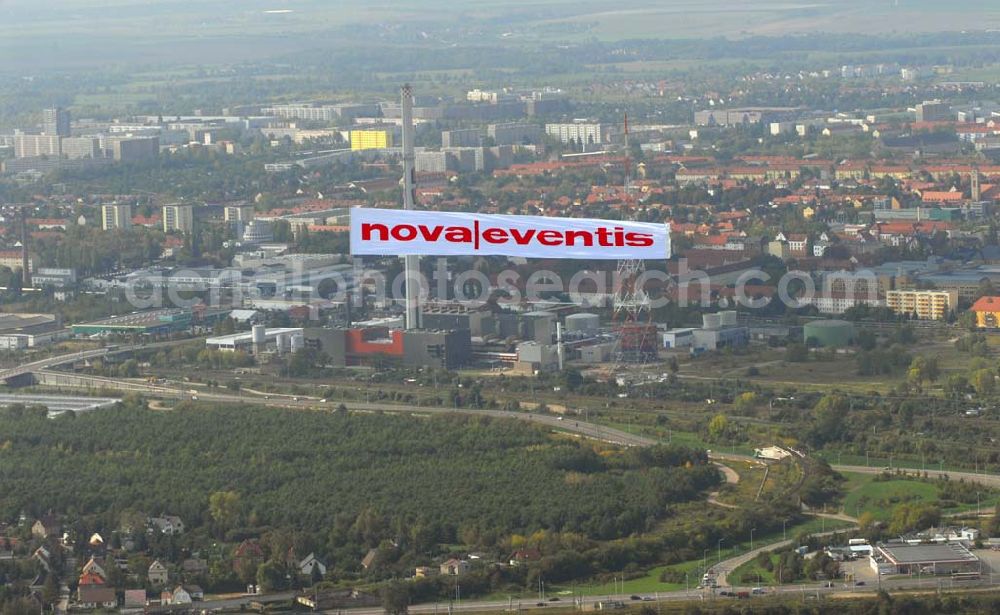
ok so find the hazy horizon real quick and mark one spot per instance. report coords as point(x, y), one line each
point(68, 34)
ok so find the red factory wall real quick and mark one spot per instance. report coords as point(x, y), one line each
point(360, 342)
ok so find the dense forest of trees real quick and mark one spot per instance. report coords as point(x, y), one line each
point(304, 470)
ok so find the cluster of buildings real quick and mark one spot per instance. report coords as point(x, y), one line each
point(56, 144)
point(174, 583)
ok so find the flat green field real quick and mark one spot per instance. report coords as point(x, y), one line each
point(879, 498)
point(864, 494)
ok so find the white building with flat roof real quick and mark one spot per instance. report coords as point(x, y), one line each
point(245, 340)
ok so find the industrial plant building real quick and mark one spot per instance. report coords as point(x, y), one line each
point(259, 339)
point(153, 322)
point(718, 331)
point(382, 345)
point(20, 331)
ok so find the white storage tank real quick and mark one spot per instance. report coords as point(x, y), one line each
point(259, 335)
point(298, 342)
point(728, 318)
point(283, 342)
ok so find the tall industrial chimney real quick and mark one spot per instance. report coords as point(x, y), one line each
point(412, 261)
point(25, 262)
point(560, 349)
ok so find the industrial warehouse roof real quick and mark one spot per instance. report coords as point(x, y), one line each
point(927, 553)
point(139, 319)
point(247, 336)
point(10, 321)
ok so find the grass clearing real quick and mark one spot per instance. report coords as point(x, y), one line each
point(880, 497)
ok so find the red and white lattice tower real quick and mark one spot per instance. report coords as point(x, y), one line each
point(636, 334)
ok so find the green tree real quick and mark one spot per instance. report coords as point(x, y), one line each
point(396, 598)
point(745, 402)
point(224, 506)
point(984, 381)
point(50, 591)
point(272, 576)
point(718, 426)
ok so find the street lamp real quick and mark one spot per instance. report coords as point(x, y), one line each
point(718, 546)
point(783, 535)
point(751, 537)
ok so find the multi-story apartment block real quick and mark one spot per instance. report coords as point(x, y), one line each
point(116, 216)
point(925, 304)
point(178, 218)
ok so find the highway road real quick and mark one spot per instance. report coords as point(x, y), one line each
point(73, 357)
point(50, 362)
point(991, 480)
point(805, 590)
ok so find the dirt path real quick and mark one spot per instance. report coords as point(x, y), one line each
point(732, 477)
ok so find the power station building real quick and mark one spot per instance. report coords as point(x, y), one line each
point(381, 345)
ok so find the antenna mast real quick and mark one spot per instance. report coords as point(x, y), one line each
point(636, 340)
point(411, 262)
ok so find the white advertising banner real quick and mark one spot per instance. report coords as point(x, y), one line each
point(435, 233)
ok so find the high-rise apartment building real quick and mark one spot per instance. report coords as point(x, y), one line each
point(132, 149)
point(577, 132)
point(514, 133)
point(934, 111)
point(76, 148)
point(178, 218)
point(33, 146)
point(238, 213)
point(467, 137)
point(55, 121)
point(116, 216)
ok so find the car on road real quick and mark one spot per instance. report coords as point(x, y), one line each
point(647, 598)
point(554, 599)
point(859, 583)
point(635, 597)
point(539, 604)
